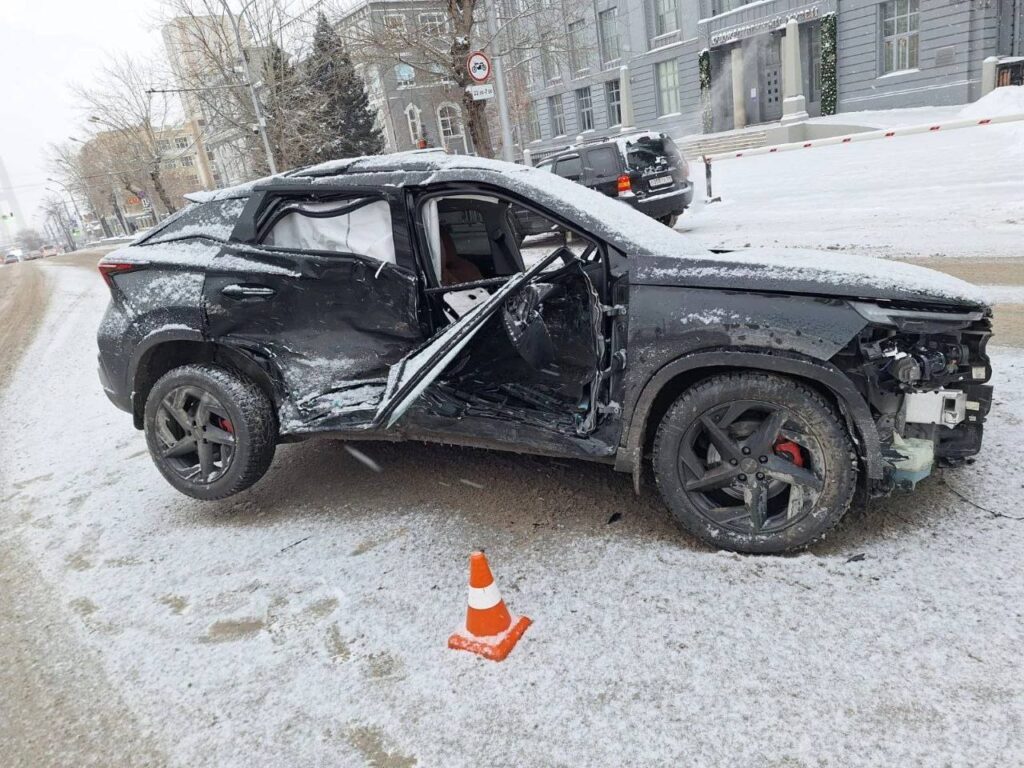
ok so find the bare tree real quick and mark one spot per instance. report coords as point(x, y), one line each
point(29, 239)
point(56, 215)
point(206, 65)
point(122, 103)
point(439, 51)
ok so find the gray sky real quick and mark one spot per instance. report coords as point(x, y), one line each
point(44, 46)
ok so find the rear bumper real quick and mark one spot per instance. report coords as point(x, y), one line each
point(666, 204)
point(120, 399)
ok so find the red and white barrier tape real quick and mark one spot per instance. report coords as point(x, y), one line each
point(908, 130)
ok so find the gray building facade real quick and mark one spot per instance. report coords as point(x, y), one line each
point(415, 103)
point(642, 58)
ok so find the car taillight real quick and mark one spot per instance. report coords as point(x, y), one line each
point(110, 268)
point(624, 184)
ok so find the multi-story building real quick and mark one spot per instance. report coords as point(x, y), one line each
point(640, 61)
point(10, 212)
point(415, 101)
point(203, 54)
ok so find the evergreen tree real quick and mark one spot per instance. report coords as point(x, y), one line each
point(339, 116)
point(282, 96)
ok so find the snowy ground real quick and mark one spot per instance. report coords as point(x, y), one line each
point(957, 193)
point(304, 622)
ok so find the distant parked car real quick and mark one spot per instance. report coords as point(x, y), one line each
point(645, 170)
point(48, 250)
point(13, 257)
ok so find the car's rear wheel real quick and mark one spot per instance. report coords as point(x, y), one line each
point(211, 431)
point(755, 463)
point(670, 220)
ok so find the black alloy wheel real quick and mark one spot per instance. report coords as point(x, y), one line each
point(194, 434)
point(755, 463)
point(210, 430)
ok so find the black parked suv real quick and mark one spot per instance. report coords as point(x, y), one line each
point(644, 170)
point(388, 298)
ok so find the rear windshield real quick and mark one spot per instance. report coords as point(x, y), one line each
point(213, 220)
point(650, 153)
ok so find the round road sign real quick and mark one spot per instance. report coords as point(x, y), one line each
point(478, 66)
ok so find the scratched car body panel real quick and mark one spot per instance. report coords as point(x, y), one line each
point(394, 298)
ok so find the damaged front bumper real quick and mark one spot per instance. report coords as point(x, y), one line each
point(942, 426)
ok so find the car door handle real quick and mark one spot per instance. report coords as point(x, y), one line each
point(247, 291)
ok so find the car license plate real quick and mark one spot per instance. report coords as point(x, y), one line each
point(663, 181)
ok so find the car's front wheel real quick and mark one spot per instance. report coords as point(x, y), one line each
point(211, 431)
point(753, 462)
point(670, 220)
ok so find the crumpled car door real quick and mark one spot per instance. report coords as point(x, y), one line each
point(409, 377)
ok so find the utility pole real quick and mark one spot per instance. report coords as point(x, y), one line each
point(261, 123)
point(507, 150)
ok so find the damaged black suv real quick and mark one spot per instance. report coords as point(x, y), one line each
point(394, 298)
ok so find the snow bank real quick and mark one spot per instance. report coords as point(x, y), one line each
point(1008, 100)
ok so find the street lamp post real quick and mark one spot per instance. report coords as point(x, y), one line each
point(261, 123)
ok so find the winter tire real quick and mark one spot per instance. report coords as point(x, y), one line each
point(670, 220)
point(211, 431)
point(753, 462)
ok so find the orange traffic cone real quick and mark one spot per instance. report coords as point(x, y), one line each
point(490, 630)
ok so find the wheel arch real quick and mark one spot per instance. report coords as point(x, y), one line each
point(165, 350)
point(664, 386)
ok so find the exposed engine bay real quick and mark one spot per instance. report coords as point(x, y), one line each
point(923, 373)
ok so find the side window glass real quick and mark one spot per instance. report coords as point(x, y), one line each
point(603, 161)
point(213, 220)
point(570, 168)
point(359, 227)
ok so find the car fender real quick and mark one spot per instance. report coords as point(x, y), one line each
point(629, 455)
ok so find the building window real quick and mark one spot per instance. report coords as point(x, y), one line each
point(453, 135)
point(556, 114)
point(441, 73)
point(547, 65)
point(666, 17)
point(584, 110)
point(405, 75)
point(181, 142)
point(433, 24)
point(608, 33)
point(395, 22)
point(163, 145)
point(186, 161)
point(578, 59)
point(899, 35)
point(412, 117)
point(533, 122)
point(666, 74)
point(613, 99)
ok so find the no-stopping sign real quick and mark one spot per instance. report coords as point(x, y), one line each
point(478, 66)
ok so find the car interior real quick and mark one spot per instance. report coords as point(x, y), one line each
point(539, 359)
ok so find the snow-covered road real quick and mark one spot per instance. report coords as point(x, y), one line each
point(954, 194)
point(304, 622)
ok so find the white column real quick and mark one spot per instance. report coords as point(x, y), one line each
point(988, 75)
point(794, 105)
point(739, 103)
point(625, 98)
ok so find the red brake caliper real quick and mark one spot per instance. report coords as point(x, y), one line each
point(226, 426)
point(789, 450)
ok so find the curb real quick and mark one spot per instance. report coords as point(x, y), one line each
point(884, 133)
